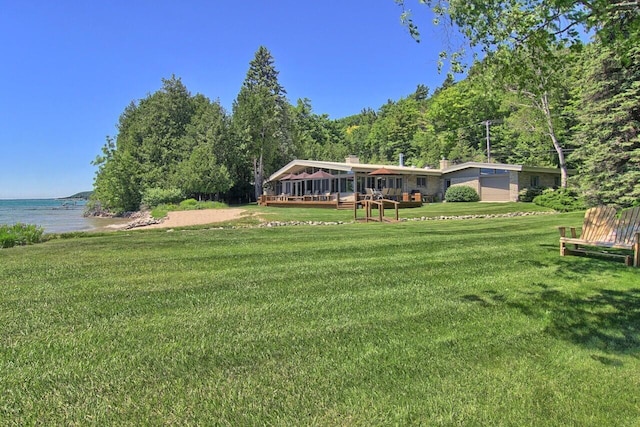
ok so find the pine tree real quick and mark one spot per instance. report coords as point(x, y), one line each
point(260, 116)
point(609, 131)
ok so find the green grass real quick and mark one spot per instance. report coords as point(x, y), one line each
point(427, 210)
point(475, 322)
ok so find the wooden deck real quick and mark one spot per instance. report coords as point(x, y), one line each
point(330, 201)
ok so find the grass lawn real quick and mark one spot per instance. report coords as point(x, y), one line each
point(474, 322)
point(427, 210)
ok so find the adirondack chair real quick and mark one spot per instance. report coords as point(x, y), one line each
point(369, 195)
point(601, 228)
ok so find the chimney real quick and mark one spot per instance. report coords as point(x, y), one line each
point(444, 163)
point(401, 163)
point(354, 160)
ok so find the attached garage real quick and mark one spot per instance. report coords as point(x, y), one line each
point(492, 184)
point(495, 188)
point(498, 182)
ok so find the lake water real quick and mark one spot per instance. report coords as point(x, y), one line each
point(54, 215)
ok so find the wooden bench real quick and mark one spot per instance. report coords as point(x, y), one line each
point(602, 228)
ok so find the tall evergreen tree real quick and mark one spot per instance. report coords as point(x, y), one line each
point(201, 170)
point(260, 117)
point(609, 131)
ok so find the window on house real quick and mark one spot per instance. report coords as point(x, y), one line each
point(421, 181)
point(371, 182)
point(535, 181)
point(485, 171)
point(556, 181)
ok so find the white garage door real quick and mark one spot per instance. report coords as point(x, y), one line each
point(495, 188)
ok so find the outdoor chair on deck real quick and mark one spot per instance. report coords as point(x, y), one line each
point(369, 195)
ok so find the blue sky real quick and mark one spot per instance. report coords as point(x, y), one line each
point(71, 67)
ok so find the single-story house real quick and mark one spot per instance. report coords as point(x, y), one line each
point(492, 181)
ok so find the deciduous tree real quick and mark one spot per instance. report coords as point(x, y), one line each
point(492, 24)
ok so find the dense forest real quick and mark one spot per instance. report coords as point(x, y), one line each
point(570, 105)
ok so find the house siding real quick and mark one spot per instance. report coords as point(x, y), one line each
point(469, 177)
point(433, 184)
point(514, 185)
point(545, 179)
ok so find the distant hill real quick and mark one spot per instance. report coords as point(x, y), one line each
point(82, 195)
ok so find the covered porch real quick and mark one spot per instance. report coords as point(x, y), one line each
point(341, 189)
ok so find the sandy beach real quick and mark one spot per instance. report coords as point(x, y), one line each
point(197, 217)
point(182, 219)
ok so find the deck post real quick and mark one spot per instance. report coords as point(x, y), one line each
point(355, 208)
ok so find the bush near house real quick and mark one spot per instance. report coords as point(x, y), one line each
point(528, 194)
point(561, 200)
point(461, 193)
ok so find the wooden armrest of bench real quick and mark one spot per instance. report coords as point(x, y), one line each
point(563, 231)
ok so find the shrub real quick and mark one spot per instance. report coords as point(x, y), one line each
point(153, 197)
point(212, 205)
point(528, 194)
point(188, 204)
point(562, 200)
point(461, 193)
point(162, 210)
point(20, 234)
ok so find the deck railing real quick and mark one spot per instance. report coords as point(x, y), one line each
point(327, 199)
point(335, 200)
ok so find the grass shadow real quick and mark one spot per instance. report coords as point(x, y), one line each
point(579, 265)
point(605, 320)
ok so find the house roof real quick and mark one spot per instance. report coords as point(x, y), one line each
point(500, 166)
point(296, 166)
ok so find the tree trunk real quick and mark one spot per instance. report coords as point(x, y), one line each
point(258, 175)
point(562, 163)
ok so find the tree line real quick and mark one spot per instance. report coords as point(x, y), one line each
point(569, 106)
